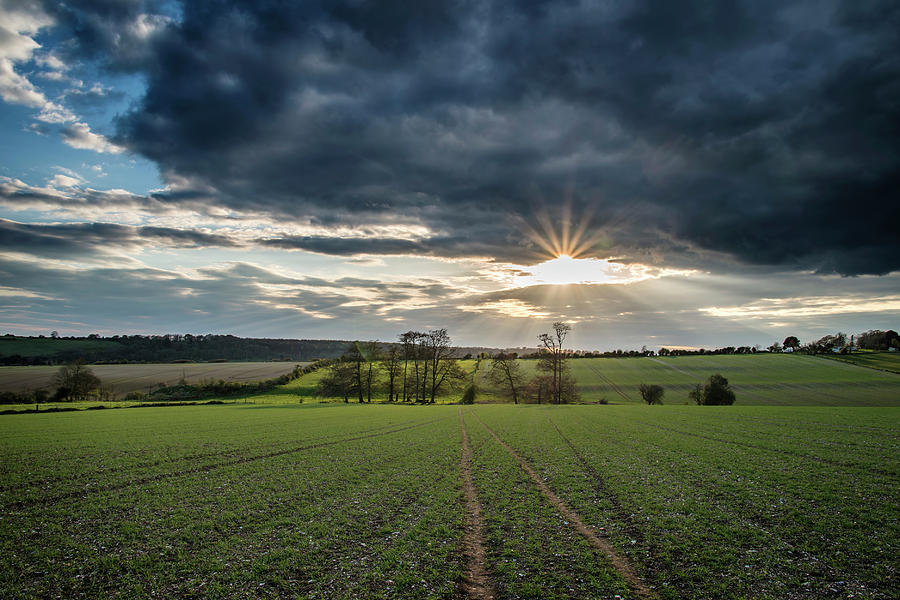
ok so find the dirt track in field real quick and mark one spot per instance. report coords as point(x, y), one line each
point(620, 563)
point(475, 584)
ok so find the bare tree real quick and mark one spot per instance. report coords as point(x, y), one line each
point(370, 353)
point(412, 351)
point(393, 369)
point(506, 371)
point(553, 358)
point(355, 356)
point(438, 360)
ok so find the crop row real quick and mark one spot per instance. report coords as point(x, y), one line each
point(704, 518)
point(375, 516)
point(365, 502)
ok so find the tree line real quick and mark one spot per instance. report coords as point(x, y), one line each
point(874, 339)
point(418, 368)
point(422, 365)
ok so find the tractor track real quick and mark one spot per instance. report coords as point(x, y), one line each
point(619, 562)
point(73, 479)
point(18, 505)
point(475, 584)
point(610, 383)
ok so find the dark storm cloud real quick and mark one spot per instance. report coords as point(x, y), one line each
point(94, 238)
point(462, 245)
point(768, 131)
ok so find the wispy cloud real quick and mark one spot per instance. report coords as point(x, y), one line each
point(799, 307)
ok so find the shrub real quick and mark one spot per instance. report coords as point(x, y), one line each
point(716, 392)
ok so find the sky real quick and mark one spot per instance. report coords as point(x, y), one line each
point(678, 174)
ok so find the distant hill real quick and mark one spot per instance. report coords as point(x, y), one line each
point(18, 350)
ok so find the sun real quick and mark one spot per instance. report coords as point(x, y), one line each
point(564, 270)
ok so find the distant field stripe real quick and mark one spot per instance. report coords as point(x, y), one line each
point(619, 562)
point(671, 366)
point(27, 485)
point(475, 584)
point(610, 383)
point(206, 468)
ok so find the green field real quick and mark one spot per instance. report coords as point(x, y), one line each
point(779, 379)
point(884, 361)
point(143, 378)
point(366, 501)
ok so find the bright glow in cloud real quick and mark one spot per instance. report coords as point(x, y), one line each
point(772, 308)
point(509, 308)
point(564, 270)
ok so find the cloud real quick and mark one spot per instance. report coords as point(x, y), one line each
point(792, 308)
point(507, 307)
point(84, 239)
point(759, 132)
point(19, 23)
point(65, 181)
point(79, 135)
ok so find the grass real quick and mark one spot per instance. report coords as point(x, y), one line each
point(364, 501)
point(779, 379)
point(250, 501)
point(734, 502)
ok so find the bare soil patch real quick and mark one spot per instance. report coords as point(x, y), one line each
point(475, 583)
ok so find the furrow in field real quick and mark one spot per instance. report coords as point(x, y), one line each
point(206, 468)
point(624, 515)
point(619, 562)
point(781, 451)
point(475, 584)
point(665, 364)
point(804, 555)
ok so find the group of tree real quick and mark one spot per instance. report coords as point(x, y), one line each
point(706, 352)
point(553, 382)
point(421, 366)
point(716, 392)
point(94, 349)
point(876, 339)
point(75, 382)
point(418, 368)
